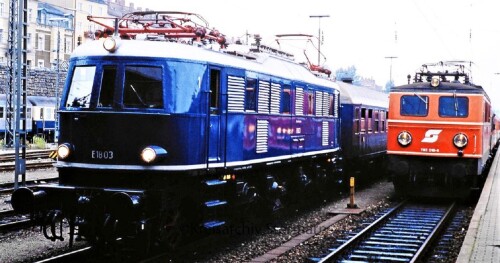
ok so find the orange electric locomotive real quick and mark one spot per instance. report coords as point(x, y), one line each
point(441, 133)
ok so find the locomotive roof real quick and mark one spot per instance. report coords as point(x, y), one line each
point(443, 87)
point(267, 64)
point(352, 94)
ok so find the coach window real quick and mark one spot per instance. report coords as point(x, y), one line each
point(81, 87)
point(251, 95)
point(143, 87)
point(376, 120)
point(414, 105)
point(363, 120)
point(357, 119)
point(453, 106)
point(370, 120)
point(382, 121)
point(285, 99)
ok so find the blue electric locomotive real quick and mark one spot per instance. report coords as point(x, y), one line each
point(164, 132)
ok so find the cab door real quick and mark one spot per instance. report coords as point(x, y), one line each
point(215, 142)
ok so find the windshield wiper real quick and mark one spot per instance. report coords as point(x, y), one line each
point(137, 95)
point(80, 101)
point(422, 99)
point(455, 102)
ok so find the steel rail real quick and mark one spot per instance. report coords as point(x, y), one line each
point(361, 234)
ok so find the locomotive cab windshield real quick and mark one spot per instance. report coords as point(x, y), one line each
point(97, 88)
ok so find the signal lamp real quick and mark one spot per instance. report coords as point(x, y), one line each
point(64, 150)
point(404, 138)
point(460, 140)
point(153, 153)
point(435, 81)
point(110, 44)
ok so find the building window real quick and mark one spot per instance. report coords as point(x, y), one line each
point(40, 44)
point(29, 41)
point(67, 46)
point(40, 63)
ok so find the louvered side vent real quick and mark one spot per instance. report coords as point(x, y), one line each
point(275, 98)
point(336, 105)
point(299, 101)
point(324, 134)
point(263, 106)
point(235, 94)
point(262, 136)
point(326, 104)
point(319, 104)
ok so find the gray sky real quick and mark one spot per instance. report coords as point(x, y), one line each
point(363, 32)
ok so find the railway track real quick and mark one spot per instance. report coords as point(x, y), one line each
point(403, 234)
point(36, 159)
point(8, 188)
point(32, 154)
point(10, 221)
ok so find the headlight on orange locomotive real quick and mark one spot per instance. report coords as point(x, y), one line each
point(404, 138)
point(460, 140)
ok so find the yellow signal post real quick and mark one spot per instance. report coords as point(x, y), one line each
point(351, 195)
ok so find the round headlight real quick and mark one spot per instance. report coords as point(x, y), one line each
point(404, 138)
point(153, 153)
point(435, 81)
point(460, 140)
point(148, 155)
point(110, 44)
point(63, 151)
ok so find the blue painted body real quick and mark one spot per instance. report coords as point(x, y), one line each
point(235, 131)
point(195, 137)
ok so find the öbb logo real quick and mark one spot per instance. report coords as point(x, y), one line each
point(431, 136)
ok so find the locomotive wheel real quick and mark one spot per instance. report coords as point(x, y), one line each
point(178, 226)
point(399, 186)
point(170, 233)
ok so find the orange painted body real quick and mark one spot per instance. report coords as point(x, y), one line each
point(432, 135)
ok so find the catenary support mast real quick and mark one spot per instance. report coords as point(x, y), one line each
point(16, 97)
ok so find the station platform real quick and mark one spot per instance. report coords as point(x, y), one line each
point(482, 241)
